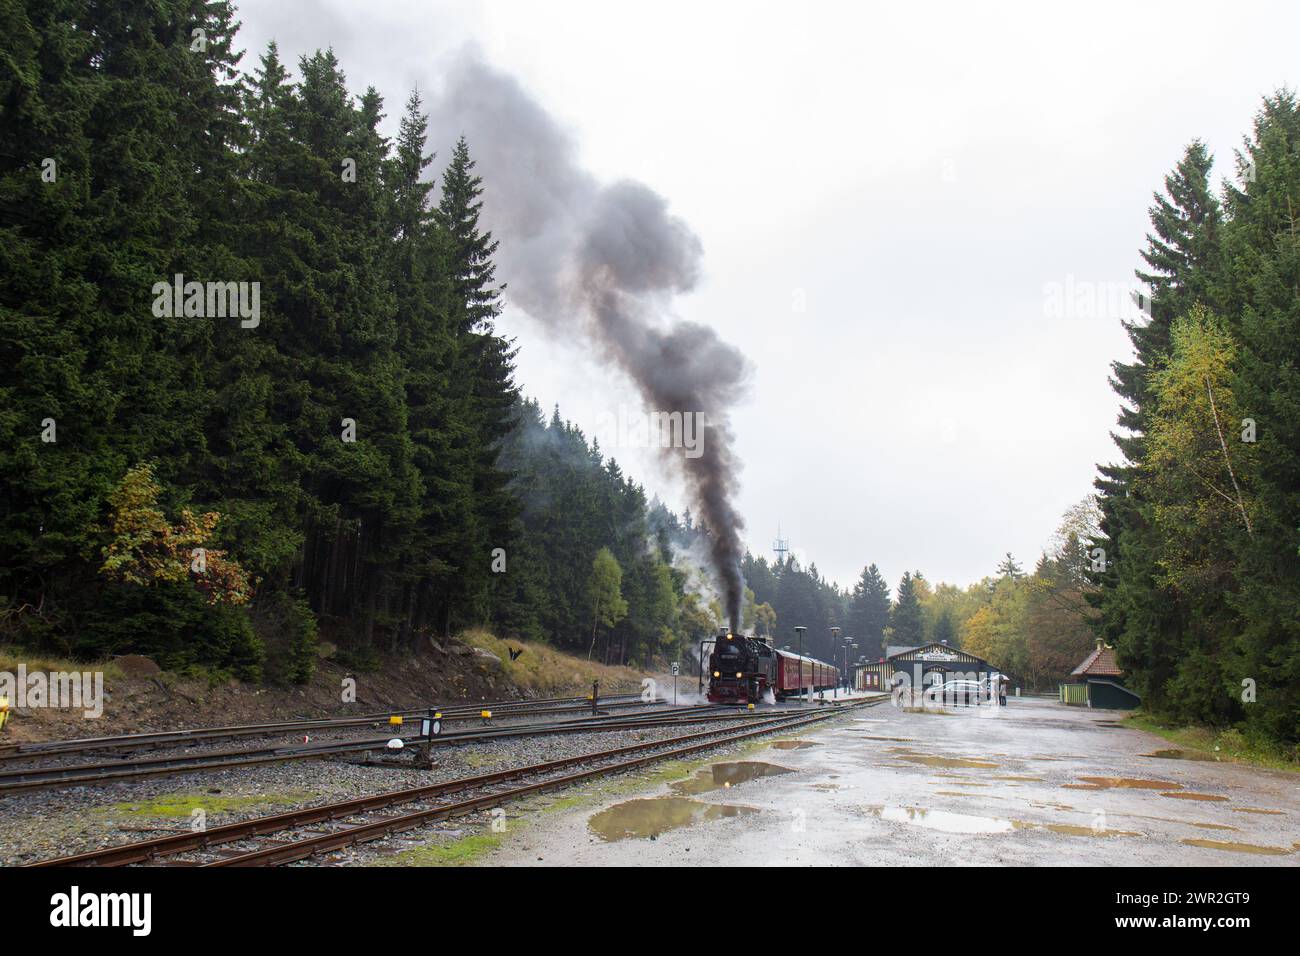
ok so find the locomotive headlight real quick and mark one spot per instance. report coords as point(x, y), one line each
point(738, 673)
point(717, 673)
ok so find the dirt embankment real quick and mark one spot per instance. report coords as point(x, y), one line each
point(139, 697)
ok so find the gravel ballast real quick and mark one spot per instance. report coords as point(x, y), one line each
point(41, 824)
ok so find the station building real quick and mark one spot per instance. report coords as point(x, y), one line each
point(936, 662)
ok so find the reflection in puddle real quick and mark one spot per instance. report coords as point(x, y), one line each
point(1203, 826)
point(1128, 783)
point(896, 740)
point(1195, 796)
point(1025, 779)
point(948, 822)
point(942, 820)
point(1070, 829)
point(1272, 813)
point(723, 775)
point(1180, 755)
point(1239, 847)
point(958, 793)
point(794, 744)
point(964, 762)
point(639, 819)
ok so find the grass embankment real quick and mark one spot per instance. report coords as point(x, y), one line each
point(1231, 746)
point(11, 657)
point(546, 671)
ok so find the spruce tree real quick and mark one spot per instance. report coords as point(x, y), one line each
point(906, 617)
point(868, 614)
point(1262, 288)
point(1142, 619)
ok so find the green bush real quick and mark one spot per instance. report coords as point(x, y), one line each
point(287, 628)
point(172, 623)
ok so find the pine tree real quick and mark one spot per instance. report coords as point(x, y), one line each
point(945, 628)
point(1009, 568)
point(482, 382)
point(475, 302)
point(1144, 621)
point(1262, 288)
point(906, 618)
point(868, 614)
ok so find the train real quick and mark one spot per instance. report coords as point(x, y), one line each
point(743, 669)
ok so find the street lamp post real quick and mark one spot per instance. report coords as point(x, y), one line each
point(835, 637)
point(799, 629)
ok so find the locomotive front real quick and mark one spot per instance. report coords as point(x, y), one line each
point(741, 669)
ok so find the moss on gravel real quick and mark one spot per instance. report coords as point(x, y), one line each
point(183, 804)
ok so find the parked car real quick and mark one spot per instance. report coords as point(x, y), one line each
point(966, 692)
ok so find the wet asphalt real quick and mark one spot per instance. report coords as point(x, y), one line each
point(1034, 783)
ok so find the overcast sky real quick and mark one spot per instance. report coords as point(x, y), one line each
point(919, 221)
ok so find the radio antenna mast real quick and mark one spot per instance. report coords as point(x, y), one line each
point(780, 547)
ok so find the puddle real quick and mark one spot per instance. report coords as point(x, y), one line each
point(1239, 847)
point(944, 821)
point(1272, 813)
point(721, 776)
point(1196, 796)
point(1024, 779)
point(1127, 783)
point(794, 744)
point(1071, 829)
point(963, 762)
point(826, 786)
point(1215, 826)
point(893, 740)
point(1181, 755)
point(948, 822)
point(958, 793)
point(649, 817)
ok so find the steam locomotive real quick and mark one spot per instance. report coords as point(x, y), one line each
point(743, 669)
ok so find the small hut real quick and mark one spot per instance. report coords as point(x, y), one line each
point(1097, 683)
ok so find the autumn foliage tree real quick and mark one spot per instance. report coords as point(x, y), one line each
point(145, 548)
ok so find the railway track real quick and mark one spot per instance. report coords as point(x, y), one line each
point(159, 739)
point(300, 834)
point(128, 768)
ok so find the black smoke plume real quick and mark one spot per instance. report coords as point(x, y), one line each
point(610, 257)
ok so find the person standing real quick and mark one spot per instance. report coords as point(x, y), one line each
point(1003, 684)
